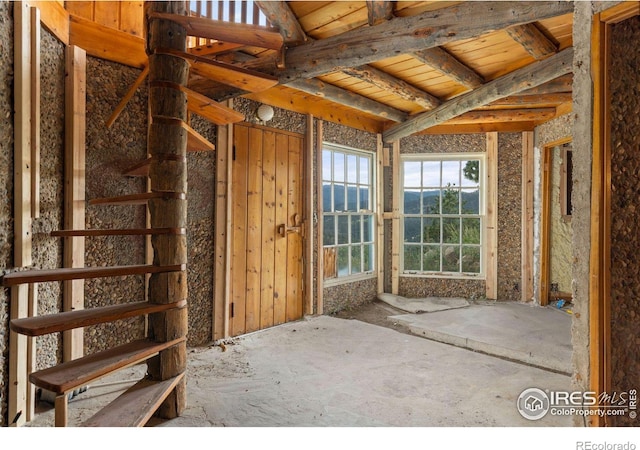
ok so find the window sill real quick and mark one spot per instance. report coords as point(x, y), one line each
point(331, 282)
point(441, 276)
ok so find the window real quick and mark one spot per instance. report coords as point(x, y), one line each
point(443, 214)
point(348, 220)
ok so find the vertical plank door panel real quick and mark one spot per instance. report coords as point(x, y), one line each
point(281, 199)
point(268, 228)
point(239, 256)
point(294, 240)
point(254, 224)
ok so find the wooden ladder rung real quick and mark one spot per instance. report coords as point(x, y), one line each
point(43, 276)
point(136, 405)
point(53, 323)
point(118, 232)
point(79, 372)
point(136, 199)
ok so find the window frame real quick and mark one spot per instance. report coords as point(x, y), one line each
point(323, 178)
point(482, 214)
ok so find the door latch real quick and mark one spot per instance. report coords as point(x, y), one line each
point(283, 229)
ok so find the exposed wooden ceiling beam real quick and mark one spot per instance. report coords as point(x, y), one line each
point(379, 11)
point(527, 77)
point(344, 97)
point(504, 115)
point(393, 85)
point(560, 84)
point(446, 63)
point(532, 40)
point(280, 15)
point(411, 34)
point(238, 33)
point(483, 127)
point(529, 100)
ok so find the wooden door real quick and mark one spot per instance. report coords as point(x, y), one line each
point(266, 258)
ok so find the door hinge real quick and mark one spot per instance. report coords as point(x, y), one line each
point(232, 310)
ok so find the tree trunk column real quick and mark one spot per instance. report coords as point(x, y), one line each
point(167, 145)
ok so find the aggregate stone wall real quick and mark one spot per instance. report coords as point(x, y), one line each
point(6, 190)
point(201, 170)
point(625, 209)
point(47, 251)
point(356, 293)
point(416, 287)
point(109, 152)
point(509, 216)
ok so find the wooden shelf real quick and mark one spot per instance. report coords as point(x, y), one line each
point(79, 372)
point(136, 405)
point(118, 232)
point(136, 199)
point(54, 323)
point(43, 276)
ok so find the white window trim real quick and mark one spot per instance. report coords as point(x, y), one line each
point(338, 280)
point(482, 156)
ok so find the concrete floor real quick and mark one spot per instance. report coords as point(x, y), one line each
point(526, 333)
point(331, 372)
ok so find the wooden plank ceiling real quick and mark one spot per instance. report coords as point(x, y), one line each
point(410, 67)
point(397, 68)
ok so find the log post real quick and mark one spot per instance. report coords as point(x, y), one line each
point(167, 145)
